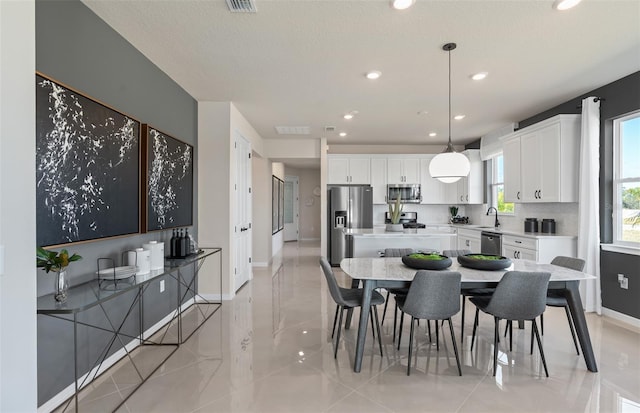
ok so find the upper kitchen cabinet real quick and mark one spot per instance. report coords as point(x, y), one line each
point(379, 180)
point(470, 190)
point(511, 156)
point(548, 159)
point(348, 170)
point(433, 190)
point(403, 170)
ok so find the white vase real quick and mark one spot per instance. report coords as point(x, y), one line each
point(61, 287)
point(394, 228)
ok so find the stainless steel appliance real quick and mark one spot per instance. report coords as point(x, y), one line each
point(490, 243)
point(409, 193)
point(407, 219)
point(348, 207)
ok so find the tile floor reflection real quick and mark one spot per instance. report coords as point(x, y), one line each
point(270, 350)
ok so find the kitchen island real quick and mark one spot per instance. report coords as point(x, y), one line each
point(371, 242)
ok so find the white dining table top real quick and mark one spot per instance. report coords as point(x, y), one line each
point(392, 269)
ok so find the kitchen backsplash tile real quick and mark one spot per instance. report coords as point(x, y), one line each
point(565, 215)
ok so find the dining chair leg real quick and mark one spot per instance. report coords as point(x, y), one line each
point(510, 324)
point(335, 320)
point(437, 337)
point(475, 325)
point(496, 334)
point(544, 362)
point(384, 312)
point(464, 299)
point(395, 320)
point(429, 330)
point(410, 345)
point(375, 315)
point(373, 328)
point(455, 347)
point(572, 328)
point(400, 329)
point(335, 350)
point(542, 324)
point(531, 352)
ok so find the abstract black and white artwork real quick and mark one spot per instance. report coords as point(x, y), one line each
point(169, 181)
point(87, 167)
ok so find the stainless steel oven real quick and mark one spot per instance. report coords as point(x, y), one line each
point(408, 193)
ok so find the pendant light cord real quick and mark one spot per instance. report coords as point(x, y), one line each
point(449, 97)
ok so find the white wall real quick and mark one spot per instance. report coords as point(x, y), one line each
point(388, 149)
point(261, 225)
point(18, 339)
point(277, 240)
point(290, 148)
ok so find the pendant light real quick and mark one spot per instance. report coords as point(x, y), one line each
point(449, 166)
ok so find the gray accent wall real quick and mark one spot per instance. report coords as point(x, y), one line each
point(77, 48)
point(620, 97)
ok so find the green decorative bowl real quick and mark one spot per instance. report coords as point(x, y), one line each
point(426, 261)
point(484, 262)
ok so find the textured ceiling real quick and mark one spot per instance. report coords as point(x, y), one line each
point(302, 63)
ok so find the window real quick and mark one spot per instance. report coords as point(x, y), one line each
point(497, 187)
point(626, 180)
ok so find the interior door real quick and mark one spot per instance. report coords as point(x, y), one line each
point(242, 217)
point(291, 202)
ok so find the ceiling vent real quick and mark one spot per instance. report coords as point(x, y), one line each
point(242, 6)
point(293, 130)
point(329, 128)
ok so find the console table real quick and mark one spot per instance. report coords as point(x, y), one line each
point(96, 293)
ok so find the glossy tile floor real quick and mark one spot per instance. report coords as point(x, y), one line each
point(270, 350)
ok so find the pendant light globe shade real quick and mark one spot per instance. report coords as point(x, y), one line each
point(449, 167)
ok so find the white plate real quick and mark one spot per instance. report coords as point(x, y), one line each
point(119, 272)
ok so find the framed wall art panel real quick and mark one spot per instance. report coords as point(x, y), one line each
point(168, 182)
point(87, 167)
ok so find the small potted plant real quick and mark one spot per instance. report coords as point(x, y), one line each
point(395, 210)
point(56, 262)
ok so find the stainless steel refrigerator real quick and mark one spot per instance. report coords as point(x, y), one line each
point(350, 206)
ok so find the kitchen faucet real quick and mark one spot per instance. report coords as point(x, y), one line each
point(497, 223)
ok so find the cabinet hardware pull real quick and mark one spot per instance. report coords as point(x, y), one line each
point(518, 242)
point(518, 195)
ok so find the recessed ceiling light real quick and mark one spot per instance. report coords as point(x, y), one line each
point(348, 116)
point(342, 134)
point(422, 112)
point(565, 4)
point(432, 134)
point(459, 117)
point(402, 4)
point(479, 76)
point(373, 75)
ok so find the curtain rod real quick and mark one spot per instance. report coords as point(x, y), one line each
point(595, 99)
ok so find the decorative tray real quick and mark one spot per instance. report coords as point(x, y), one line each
point(484, 261)
point(421, 261)
point(117, 273)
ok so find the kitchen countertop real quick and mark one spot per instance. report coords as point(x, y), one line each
point(381, 232)
point(534, 235)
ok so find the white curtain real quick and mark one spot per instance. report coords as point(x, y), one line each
point(588, 207)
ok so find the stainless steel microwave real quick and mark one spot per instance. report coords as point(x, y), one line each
point(409, 193)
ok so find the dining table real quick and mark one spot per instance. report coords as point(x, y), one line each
point(391, 272)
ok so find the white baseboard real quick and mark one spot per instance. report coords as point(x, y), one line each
point(68, 391)
point(623, 318)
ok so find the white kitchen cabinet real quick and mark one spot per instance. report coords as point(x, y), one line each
point(403, 170)
point(348, 170)
point(470, 188)
point(469, 240)
point(511, 157)
point(379, 180)
point(549, 155)
point(542, 249)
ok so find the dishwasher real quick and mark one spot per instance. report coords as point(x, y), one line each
point(490, 243)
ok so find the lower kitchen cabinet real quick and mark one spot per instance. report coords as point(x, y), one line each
point(469, 240)
point(542, 249)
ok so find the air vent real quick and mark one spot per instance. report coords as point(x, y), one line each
point(241, 6)
point(293, 130)
point(329, 128)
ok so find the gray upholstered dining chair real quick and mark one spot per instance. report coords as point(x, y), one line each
point(395, 252)
point(433, 295)
point(519, 295)
point(557, 299)
point(469, 292)
point(347, 298)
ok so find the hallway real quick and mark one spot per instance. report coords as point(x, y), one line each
point(269, 350)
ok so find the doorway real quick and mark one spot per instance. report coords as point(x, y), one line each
point(291, 216)
point(242, 234)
